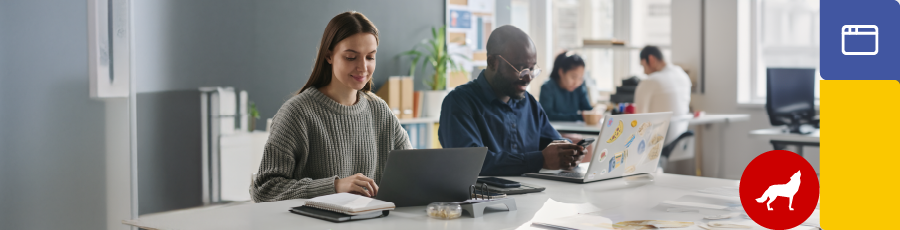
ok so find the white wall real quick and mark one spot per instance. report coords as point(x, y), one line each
point(727, 148)
point(53, 155)
point(118, 163)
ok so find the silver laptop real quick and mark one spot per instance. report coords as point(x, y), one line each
point(627, 145)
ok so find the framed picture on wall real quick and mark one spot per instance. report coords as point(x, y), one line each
point(108, 48)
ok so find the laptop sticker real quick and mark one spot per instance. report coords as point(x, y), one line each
point(602, 171)
point(644, 128)
point(616, 134)
point(603, 154)
point(620, 158)
point(630, 169)
point(654, 152)
point(656, 139)
point(612, 164)
point(641, 147)
point(630, 139)
point(633, 123)
point(610, 122)
point(591, 177)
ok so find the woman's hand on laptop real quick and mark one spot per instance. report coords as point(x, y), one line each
point(562, 156)
point(356, 184)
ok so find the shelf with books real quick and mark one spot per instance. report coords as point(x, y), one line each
point(421, 131)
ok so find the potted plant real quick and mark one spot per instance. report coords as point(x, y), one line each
point(435, 53)
point(254, 114)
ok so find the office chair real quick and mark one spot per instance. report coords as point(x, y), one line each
point(682, 148)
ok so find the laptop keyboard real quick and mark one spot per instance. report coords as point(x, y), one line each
point(571, 174)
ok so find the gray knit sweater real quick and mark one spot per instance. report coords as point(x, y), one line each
point(315, 140)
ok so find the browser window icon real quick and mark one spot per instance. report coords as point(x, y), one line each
point(859, 40)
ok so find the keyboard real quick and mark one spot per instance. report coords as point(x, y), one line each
point(571, 174)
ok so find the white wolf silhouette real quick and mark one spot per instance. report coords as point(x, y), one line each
point(786, 190)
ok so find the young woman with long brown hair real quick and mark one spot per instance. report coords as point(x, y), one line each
point(334, 135)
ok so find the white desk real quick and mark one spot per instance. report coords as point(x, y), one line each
point(616, 199)
point(582, 128)
point(780, 138)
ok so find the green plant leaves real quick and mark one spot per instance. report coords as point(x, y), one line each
point(437, 56)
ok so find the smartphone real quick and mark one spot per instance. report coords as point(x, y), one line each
point(499, 182)
point(586, 142)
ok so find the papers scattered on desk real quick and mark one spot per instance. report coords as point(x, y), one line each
point(682, 210)
point(717, 202)
point(737, 224)
point(580, 222)
point(720, 217)
point(722, 191)
point(694, 205)
point(651, 224)
point(726, 224)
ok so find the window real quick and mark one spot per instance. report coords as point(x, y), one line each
point(638, 23)
point(786, 34)
point(576, 20)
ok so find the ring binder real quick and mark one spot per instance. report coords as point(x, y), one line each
point(485, 192)
point(475, 207)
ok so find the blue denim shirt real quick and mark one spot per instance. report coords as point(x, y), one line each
point(562, 105)
point(472, 116)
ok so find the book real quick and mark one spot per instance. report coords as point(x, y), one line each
point(350, 204)
point(406, 98)
point(390, 93)
point(334, 216)
point(413, 134)
point(423, 129)
point(417, 104)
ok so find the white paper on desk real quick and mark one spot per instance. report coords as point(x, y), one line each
point(753, 225)
point(552, 210)
point(581, 222)
point(732, 202)
point(694, 205)
point(730, 191)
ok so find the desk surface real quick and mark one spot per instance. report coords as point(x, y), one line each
point(617, 199)
point(581, 127)
point(777, 134)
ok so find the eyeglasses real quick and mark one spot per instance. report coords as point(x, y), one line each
point(524, 72)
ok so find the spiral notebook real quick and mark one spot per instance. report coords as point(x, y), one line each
point(350, 204)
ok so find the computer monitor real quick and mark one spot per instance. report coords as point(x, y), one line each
point(790, 96)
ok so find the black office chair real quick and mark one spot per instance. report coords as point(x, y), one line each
point(683, 141)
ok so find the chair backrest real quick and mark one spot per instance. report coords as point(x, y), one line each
point(681, 148)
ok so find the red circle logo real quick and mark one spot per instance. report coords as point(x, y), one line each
point(779, 189)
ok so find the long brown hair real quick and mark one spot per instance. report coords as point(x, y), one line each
point(343, 25)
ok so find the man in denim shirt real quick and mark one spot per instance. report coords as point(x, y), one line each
point(495, 111)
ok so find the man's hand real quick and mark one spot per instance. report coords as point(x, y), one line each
point(356, 184)
point(562, 156)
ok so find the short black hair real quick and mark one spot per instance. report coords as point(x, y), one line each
point(565, 61)
point(500, 37)
point(651, 50)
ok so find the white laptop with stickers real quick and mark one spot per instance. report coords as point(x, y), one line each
point(627, 145)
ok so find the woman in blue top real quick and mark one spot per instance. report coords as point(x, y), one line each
point(565, 94)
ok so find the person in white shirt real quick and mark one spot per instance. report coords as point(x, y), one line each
point(667, 88)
